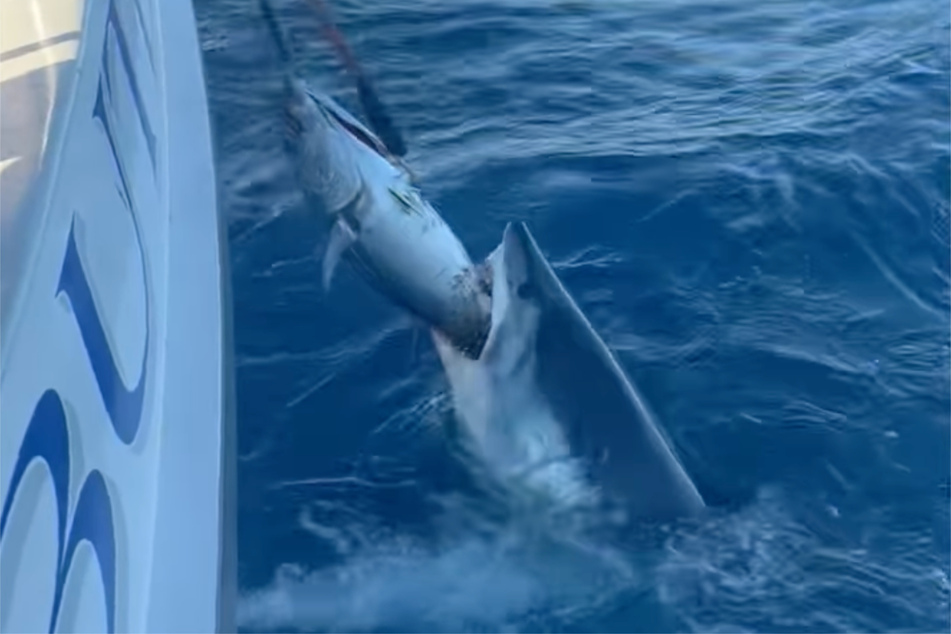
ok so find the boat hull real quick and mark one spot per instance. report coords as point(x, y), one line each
point(117, 448)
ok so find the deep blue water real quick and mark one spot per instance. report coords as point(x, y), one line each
point(750, 201)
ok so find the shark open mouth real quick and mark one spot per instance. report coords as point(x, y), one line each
point(483, 274)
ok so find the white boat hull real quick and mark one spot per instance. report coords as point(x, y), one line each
point(116, 460)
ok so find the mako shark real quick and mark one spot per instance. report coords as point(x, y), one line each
point(547, 404)
point(377, 217)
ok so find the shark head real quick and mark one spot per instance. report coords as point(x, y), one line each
point(509, 277)
point(516, 300)
point(544, 367)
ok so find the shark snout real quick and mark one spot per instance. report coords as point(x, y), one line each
point(516, 247)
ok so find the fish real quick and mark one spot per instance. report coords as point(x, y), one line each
point(376, 215)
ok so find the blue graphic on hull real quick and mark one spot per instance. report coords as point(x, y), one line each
point(126, 55)
point(124, 406)
point(47, 436)
point(92, 523)
point(47, 439)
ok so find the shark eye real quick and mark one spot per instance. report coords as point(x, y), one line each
point(525, 290)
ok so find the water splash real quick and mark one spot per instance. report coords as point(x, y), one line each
point(475, 581)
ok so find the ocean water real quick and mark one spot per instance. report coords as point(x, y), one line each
point(749, 200)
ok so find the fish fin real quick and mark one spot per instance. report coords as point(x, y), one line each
point(342, 238)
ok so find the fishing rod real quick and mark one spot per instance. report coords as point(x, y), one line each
point(373, 107)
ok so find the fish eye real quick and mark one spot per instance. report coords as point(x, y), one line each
point(525, 290)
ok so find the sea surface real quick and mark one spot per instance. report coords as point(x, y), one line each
point(750, 202)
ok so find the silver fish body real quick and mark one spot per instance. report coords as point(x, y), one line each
point(380, 222)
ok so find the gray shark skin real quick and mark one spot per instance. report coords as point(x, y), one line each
point(546, 401)
point(378, 220)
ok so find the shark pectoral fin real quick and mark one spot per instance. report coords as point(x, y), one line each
point(342, 238)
